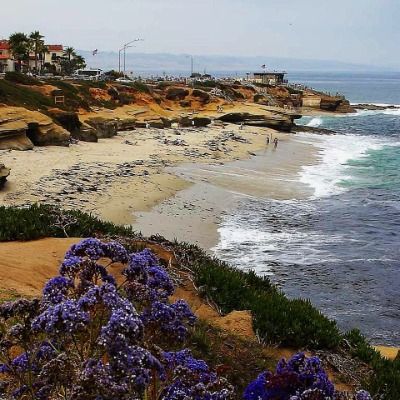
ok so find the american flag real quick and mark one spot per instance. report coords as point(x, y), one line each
point(94, 52)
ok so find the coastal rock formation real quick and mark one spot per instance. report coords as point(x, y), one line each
point(21, 129)
point(105, 128)
point(4, 172)
point(126, 124)
point(280, 122)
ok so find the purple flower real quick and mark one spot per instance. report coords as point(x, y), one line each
point(123, 327)
point(66, 317)
point(71, 266)
point(92, 248)
point(56, 289)
point(115, 252)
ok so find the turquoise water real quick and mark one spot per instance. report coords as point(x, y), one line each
point(339, 247)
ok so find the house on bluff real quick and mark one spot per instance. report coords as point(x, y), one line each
point(51, 57)
point(270, 78)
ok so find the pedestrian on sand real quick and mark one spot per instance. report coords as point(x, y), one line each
point(276, 142)
point(267, 140)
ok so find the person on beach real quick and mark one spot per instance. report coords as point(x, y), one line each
point(267, 140)
point(241, 126)
point(276, 142)
point(147, 125)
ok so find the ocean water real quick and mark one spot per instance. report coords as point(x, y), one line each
point(339, 245)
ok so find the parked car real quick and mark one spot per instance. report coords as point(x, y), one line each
point(124, 80)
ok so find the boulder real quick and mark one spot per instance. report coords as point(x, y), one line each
point(47, 134)
point(86, 133)
point(126, 124)
point(201, 121)
point(14, 139)
point(105, 127)
point(4, 172)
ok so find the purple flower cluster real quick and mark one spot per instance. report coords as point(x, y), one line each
point(90, 339)
point(300, 378)
point(188, 378)
point(66, 317)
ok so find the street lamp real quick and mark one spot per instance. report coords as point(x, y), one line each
point(126, 46)
point(191, 65)
point(119, 57)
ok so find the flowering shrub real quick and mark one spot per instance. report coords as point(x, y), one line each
point(300, 378)
point(95, 336)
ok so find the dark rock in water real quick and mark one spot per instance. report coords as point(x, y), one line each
point(372, 107)
point(4, 172)
point(345, 107)
point(312, 129)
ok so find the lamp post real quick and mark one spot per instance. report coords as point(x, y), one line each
point(119, 57)
point(191, 65)
point(126, 46)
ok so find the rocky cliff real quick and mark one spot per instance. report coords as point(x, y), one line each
point(21, 129)
point(4, 172)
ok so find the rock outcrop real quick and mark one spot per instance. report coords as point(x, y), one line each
point(280, 122)
point(105, 128)
point(21, 129)
point(4, 172)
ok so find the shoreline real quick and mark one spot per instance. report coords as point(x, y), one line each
point(124, 174)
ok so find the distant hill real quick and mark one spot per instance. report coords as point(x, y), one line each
point(180, 64)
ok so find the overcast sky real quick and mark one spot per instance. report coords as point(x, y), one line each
point(358, 31)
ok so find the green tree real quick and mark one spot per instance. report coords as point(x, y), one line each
point(42, 55)
point(78, 62)
point(69, 52)
point(20, 45)
point(38, 42)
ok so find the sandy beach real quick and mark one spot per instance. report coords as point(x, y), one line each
point(121, 177)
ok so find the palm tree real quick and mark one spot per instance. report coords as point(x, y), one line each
point(70, 53)
point(36, 37)
point(42, 55)
point(78, 62)
point(19, 47)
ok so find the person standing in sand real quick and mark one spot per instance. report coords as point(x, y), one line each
point(275, 142)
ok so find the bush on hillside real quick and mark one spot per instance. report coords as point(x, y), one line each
point(21, 78)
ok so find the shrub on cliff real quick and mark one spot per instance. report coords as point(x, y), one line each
point(203, 96)
point(21, 78)
point(176, 94)
point(14, 94)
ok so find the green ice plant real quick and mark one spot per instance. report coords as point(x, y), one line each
point(94, 336)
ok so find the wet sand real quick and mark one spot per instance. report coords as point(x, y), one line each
point(193, 214)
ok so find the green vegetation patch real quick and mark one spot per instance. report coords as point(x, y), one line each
point(14, 94)
point(23, 79)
